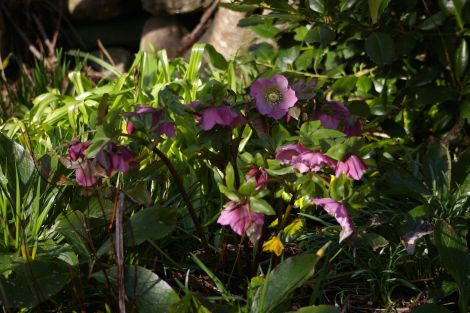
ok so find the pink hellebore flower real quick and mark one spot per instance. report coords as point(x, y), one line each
point(167, 128)
point(273, 96)
point(339, 212)
point(353, 166)
point(113, 158)
point(221, 115)
point(260, 175)
point(82, 166)
point(242, 220)
point(303, 159)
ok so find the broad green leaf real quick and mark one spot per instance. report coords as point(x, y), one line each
point(217, 59)
point(99, 140)
point(344, 85)
point(436, 167)
point(321, 34)
point(261, 206)
point(380, 48)
point(282, 281)
point(73, 227)
point(247, 188)
point(432, 22)
point(145, 289)
point(238, 7)
point(17, 166)
point(34, 282)
point(461, 172)
point(376, 8)
point(461, 58)
point(230, 176)
point(455, 258)
point(458, 6)
point(317, 6)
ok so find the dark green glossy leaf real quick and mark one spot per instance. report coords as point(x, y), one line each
point(461, 58)
point(321, 34)
point(34, 282)
point(317, 6)
point(216, 58)
point(380, 48)
point(145, 289)
point(376, 8)
point(432, 22)
point(430, 308)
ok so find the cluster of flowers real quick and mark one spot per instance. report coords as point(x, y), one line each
point(273, 98)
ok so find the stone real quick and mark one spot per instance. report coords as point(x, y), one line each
point(162, 7)
point(224, 34)
point(162, 33)
point(94, 10)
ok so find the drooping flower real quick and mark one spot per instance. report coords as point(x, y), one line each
point(331, 114)
point(274, 245)
point(84, 173)
point(287, 152)
point(312, 162)
point(335, 115)
point(222, 115)
point(353, 166)
point(113, 158)
point(303, 159)
point(260, 175)
point(339, 212)
point(242, 220)
point(144, 112)
point(78, 149)
point(273, 96)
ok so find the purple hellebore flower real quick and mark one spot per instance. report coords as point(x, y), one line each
point(303, 159)
point(339, 212)
point(273, 96)
point(84, 177)
point(77, 149)
point(242, 220)
point(113, 158)
point(332, 114)
point(260, 175)
point(167, 128)
point(221, 115)
point(353, 166)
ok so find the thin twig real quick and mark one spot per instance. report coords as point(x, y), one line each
point(186, 199)
point(120, 254)
point(193, 36)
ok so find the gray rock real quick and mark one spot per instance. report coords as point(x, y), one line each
point(162, 7)
point(94, 10)
point(161, 33)
point(224, 34)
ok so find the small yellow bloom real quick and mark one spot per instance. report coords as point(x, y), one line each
point(274, 245)
point(294, 227)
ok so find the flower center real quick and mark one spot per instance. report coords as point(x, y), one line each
point(273, 96)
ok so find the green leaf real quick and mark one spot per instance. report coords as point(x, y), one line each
point(436, 167)
point(461, 58)
point(432, 22)
point(317, 309)
point(34, 282)
point(72, 226)
point(344, 85)
point(430, 308)
point(217, 59)
point(150, 293)
point(17, 166)
point(340, 187)
point(238, 7)
point(380, 48)
point(455, 258)
point(317, 6)
point(261, 206)
point(247, 188)
point(321, 34)
point(464, 109)
point(229, 193)
point(266, 30)
point(230, 176)
point(458, 5)
point(99, 140)
point(376, 8)
point(282, 281)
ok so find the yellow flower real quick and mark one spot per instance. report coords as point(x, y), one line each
point(294, 227)
point(274, 245)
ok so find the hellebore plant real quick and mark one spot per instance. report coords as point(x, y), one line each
point(335, 115)
point(273, 96)
point(222, 115)
point(144, 114)
point(303, 159)
point(339, 212)
point(242, 220)
point(353, 166)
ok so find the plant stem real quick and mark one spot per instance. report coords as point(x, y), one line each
point(184, 194)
